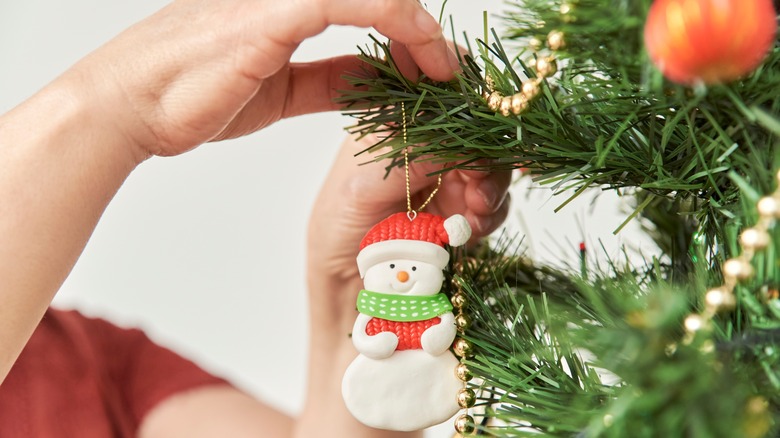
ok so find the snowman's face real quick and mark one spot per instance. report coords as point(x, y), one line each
point(408, 277)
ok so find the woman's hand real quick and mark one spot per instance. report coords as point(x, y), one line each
point(353, 198)
point(203, 70)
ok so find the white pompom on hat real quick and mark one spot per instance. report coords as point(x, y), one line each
point(420, 238)
point(458, 229)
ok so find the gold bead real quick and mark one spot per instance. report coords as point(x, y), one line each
point(466, 398)
point(531, 88)
point(637, 319)
point(757, 405)
point(490, 82)
point(519, 103)
point(463, 348)
point(567, 9)
point(768, 207)
point(693, 323)
point(758, 421)
point(531, 62)
point(464, 424)
point(494, 101)
point(737, 268)
point(720, 299)
point(463, 372)
point(555, 40)
point(464, 265)
point(506, 106)
point(462, 322)
point(459, 301)
point(754, 239)
point(486, 95)
point(546, 67)
point(535, 44)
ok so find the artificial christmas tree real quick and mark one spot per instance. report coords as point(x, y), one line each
point(688, 343)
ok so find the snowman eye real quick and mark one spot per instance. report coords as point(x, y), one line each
point(414, 268)
point(392, 266)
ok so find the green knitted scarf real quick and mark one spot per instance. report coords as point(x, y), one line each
point(402, 308)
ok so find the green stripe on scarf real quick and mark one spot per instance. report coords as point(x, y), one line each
point(402, 308)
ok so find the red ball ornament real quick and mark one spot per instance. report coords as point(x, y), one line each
point(709, 41)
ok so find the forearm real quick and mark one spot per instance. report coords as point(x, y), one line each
point(61, 160)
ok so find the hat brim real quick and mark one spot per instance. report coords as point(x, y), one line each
point(404, 250)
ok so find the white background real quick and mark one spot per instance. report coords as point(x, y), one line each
point(193, 249)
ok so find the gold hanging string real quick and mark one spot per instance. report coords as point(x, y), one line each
point(410, 212)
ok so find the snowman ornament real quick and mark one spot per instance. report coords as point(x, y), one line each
point(403, 378)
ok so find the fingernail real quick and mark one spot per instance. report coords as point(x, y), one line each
point(489, 192)
point(453, 59)
point(484, 225)
point(426, 23)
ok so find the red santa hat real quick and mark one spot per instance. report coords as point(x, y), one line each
point(421, 237)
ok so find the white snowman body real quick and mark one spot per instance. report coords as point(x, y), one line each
point(407, 389)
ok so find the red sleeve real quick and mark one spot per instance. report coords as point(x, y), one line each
point(141, 372)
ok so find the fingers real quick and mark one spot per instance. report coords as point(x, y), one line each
point(481, 196)
point(484, 201)
point(404, 21)
point(482, 225)
point(404, 61)
point(314, 86)
point(484, 195)
point(482, 192)
point(405, 58)
point(435, 58)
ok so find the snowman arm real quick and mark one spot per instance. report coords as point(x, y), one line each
point(379, 346)
point(438, 338)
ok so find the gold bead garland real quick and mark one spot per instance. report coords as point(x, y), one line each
point(463, 372)
point(458, 301)
point(466, 397)
point(464, 424)
point(756, 238)
point(462, 322)
point(463, 348)
point(565, 10)
point(535, 44)
point(544, 66)
point(555, 40)
point(531, 89)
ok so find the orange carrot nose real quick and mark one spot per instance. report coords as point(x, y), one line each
point(402, 276)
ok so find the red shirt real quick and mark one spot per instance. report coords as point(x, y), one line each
point(84, 377)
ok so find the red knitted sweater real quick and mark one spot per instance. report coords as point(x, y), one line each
point(409, 333)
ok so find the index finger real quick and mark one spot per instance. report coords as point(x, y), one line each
point(404, 21)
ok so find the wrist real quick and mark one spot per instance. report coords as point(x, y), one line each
point(97, 105)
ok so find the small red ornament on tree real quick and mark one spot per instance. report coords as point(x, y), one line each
point(709, 41)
